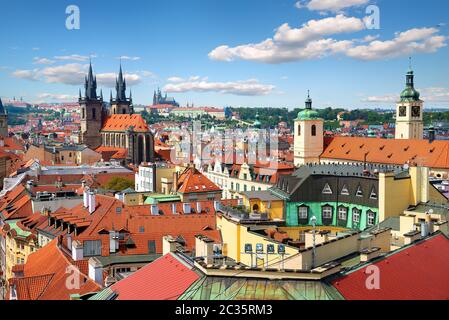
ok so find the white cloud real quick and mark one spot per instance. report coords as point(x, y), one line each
point(26, 74)
point(313, 40)
point(329, 5)
point(175, 79)
point(315, 29)
point(56, 97)
point(72, 74)
point(251, 87)
point(432, 95)
point(38, 60)
point(424, 40)
point(35, 49)
point(109, 79)
point(129, 58)
point(75, 57)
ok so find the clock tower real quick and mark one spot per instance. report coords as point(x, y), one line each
point(409, 113)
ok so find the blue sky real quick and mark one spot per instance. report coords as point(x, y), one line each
point(234, 52)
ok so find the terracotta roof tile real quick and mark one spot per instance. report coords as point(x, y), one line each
point(122, 122)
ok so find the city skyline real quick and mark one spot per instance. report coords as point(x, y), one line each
point(251, 54)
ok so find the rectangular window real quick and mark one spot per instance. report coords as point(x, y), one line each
point(303, 213)
point(151, 247)
point(342, 213)
point(371, 219)
point(92, 248)
point(356, 215)
point(327, 212)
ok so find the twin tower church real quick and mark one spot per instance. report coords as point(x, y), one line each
point(116, 132)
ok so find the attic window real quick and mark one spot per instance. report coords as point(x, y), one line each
point(432, 150)
point(345, 191)
point(381, 148)
point(406, 149)
point(359, 192)
point(118, 210)
point(389, 156)
point(141, 229)
point(362, 146)
point(327, 189)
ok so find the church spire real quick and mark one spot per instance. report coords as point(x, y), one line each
point(410, 93)
point(121, 86)
point(308, 101)
point(90, 85)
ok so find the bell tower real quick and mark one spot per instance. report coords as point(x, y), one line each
point(91, 112)
point(409, 111)
point(308, 139)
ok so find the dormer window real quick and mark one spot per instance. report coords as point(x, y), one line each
point(373, 194)
point(327, 189)
point(345, 191)
point(359, 192)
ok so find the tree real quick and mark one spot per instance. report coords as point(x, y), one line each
point(119, 184)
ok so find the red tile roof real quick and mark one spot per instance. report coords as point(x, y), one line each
point(389, 151)
point(193, 181)
point(164, 279)
point(122, 122)
point(108, 153)
point(49, 283)
point(141, 225)
point(419, 272)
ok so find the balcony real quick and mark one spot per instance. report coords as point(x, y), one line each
point(241, 214)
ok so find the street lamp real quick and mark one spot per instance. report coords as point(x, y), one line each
point(313, 220)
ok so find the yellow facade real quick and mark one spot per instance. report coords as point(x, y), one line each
point(396, 195)
point(19, 245)
point(274, 209)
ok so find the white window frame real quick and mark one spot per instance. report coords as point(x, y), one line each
point(301, 212)
point(342, 210)
point(327, 189)
point(356, 213)
point(370, 218)
point(327, 212)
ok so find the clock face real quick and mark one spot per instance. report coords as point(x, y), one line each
point(402, 111)
point(416, 112)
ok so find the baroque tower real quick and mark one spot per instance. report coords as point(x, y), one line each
point(91, 112)
point(409, 111)
point(308, 139)
point(121, 104)
point(3, 121)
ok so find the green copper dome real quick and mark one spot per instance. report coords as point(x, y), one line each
point(308, 113)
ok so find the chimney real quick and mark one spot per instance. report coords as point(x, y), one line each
point(77, 251)
point(186, 208)
point(175, 181)
point(204, 248)
point(198, 207)
point(96, 271)
point(113, 241)
point(168, 245)
point(154, 210)
point(92, 203)
point(86, 197)
point(432, 135)
point(29, 185)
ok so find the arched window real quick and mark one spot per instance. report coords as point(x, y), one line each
point(314, 131)
point(299, 130)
